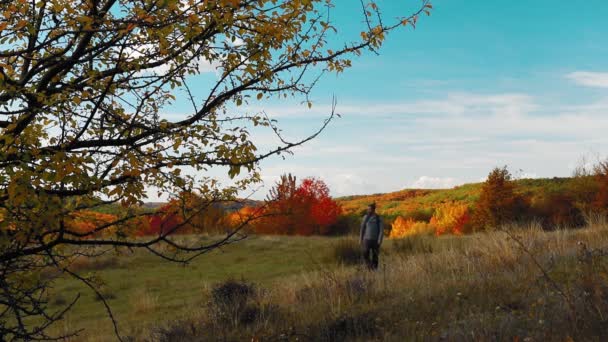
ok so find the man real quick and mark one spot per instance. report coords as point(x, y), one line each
point(370, 237)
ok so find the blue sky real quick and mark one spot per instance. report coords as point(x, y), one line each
point(478, 84)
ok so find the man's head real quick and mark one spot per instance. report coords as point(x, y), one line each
point(371, 208)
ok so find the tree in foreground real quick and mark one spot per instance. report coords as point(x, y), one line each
point(84, 86)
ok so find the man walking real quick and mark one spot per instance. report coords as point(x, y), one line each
point(370, 237)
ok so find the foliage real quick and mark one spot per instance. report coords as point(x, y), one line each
point(246, 216)
point(83, 88)
point(498, 203)
point(403, 227)
point(600, 202)
point(164, 222)
point(451, 218)
point(553, 202)
point(188, 214)
point(557, 210)
point(299, 209)
point(447, 218)
point(90, 223)
point(420, 214)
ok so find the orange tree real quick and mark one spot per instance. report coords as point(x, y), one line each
point(498, 203)
point(450, 218)
point(83, 88)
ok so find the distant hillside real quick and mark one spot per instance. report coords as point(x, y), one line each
point(411, 200)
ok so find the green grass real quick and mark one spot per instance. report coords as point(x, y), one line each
point(177, 289)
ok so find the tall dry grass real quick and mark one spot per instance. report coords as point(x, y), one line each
point(518, 282)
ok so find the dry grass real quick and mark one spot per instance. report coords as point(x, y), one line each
point(144, 301)
point(515, 283)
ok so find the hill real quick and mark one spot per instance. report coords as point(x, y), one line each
point(420, 201)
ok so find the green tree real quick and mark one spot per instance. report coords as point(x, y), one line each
point(83, 88)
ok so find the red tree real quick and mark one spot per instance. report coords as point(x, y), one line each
point(164, 221)
point(323, 211)
point(305, 209)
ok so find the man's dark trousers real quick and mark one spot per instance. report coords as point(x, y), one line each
point(371, 249)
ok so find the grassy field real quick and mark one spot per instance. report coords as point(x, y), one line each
point(492, 286)
point(145, 290)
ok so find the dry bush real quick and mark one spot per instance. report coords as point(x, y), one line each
point(231, 303)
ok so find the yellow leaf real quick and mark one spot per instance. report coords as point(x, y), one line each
point(260, 95)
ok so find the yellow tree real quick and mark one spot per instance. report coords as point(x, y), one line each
point(450, 218)
point(401, 227)
point(83, 88)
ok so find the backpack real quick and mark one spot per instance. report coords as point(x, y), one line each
point(367, 217)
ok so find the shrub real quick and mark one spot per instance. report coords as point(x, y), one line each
point(558, 210)
point(230, 301)
point(402, 227)
point(450, 218)
point(345, 225)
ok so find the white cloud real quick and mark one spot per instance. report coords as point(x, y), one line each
point(508, 104)
point(202, 64)
point(426, 182)
point(589, 79)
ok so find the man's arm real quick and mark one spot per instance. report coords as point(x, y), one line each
point(362, 230)
point(380, 230)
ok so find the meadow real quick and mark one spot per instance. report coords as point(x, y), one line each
point(515, 283)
